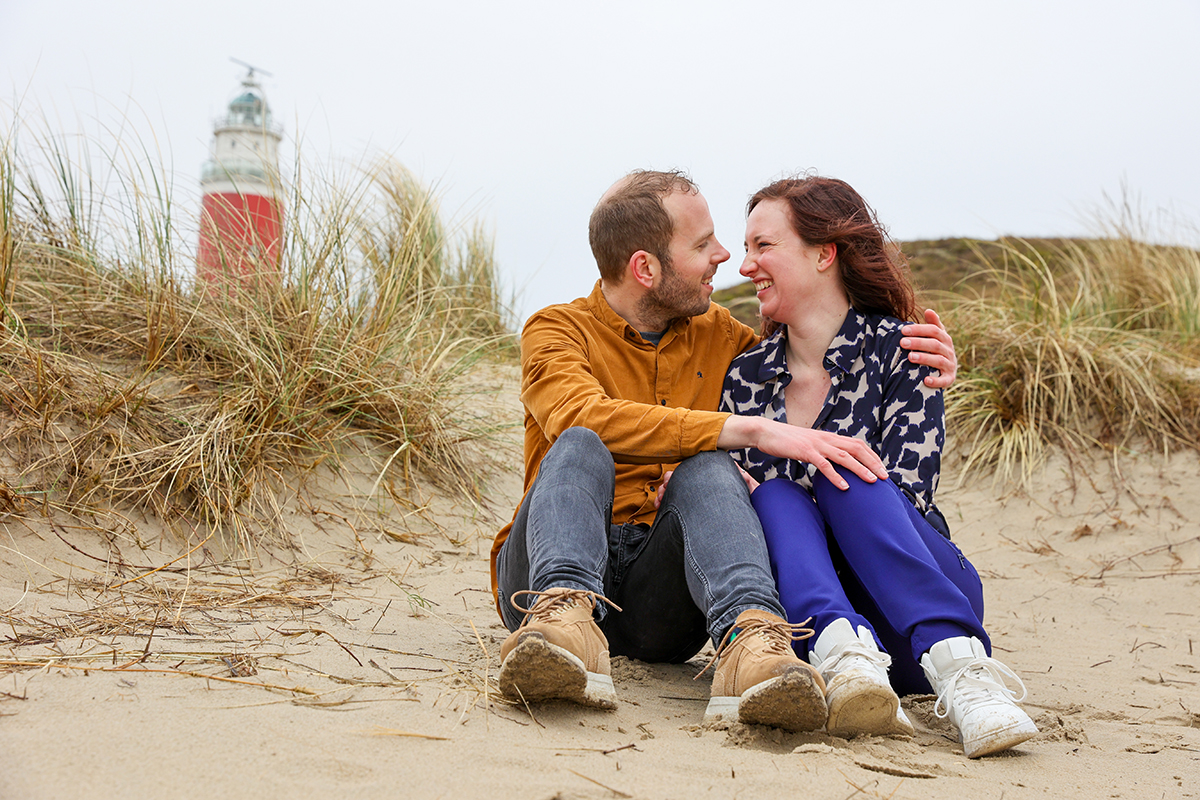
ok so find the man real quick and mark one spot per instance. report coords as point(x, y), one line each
point(619, 388)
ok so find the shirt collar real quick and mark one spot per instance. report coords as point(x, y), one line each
point(774, 361)
point(841, 355)
point(848, 344)
point(598, 305)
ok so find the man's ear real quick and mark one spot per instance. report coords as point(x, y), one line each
point(644, 268)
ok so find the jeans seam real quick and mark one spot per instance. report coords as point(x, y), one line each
point(691, 562)
point(624, 558)
point(605, 557)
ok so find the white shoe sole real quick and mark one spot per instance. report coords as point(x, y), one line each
point(859, 705)
point(793, 702)
point(901, 726)
point(536, 670)
point(996, 741)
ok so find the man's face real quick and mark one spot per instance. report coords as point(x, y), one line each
point(685, 285)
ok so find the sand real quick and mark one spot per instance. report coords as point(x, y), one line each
point(361, 660)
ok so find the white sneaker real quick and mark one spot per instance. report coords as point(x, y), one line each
point(971, 691)
point(857, 690)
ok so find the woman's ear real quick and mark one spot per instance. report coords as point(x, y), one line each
point(826, 256)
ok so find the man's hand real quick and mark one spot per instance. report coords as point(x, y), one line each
point(820, 448)
point(751, 484)
point(931, 345)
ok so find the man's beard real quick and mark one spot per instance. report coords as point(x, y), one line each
point(672, 299)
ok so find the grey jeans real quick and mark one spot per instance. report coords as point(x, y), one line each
point(679, 581)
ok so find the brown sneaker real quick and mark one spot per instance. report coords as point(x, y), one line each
point(761, 681)
point(558, 653)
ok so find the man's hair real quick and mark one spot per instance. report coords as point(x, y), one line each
point(631, 217)
point(827, 211)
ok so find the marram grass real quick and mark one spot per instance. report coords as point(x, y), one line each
point(1098, 349)
point(122, 381)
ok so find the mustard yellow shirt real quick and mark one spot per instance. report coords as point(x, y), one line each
point(583, 366)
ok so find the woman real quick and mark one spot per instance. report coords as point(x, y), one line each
point(872, 566)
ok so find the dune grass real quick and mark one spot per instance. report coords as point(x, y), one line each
point(124, 382)
point(1097, 345)
point(1063, 344)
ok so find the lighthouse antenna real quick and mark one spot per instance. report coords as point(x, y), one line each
point(251, 69)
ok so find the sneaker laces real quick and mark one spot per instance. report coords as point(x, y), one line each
point(550, 604)
point(832, 663)
point(777, 635)
point(977, 682)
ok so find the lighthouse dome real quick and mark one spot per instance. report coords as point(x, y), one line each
point(245, 142)
point(250, 108)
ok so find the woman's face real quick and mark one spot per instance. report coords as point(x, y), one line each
point(787, 273)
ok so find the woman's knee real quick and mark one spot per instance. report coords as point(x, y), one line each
point(780, 490)
point(784, 506)
point(858, 492)
point(855, 483)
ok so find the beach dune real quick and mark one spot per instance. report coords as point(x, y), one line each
point(360, 658)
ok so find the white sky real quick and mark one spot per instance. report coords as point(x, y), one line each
point(951, 118)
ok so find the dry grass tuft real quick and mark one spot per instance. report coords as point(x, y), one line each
point(1101, 349)
point(124, 383)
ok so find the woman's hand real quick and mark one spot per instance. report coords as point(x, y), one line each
point(823, 450)
point(820, 448)
point(930, 344)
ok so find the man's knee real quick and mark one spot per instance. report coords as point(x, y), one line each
point(712, 467)
point(579, 448)
point(580, 443)
point(708, 481)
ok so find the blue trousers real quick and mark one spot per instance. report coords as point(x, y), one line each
point(680, 581)
point(868, 555)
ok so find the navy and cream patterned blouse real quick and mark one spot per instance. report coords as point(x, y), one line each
point(877, 395)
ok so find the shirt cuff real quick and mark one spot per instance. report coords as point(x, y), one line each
point(700, 431)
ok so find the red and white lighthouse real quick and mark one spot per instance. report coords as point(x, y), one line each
point(241, 225)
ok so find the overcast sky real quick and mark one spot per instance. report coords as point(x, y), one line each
point(951, 118)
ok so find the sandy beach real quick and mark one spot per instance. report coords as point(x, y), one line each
point(358, 656)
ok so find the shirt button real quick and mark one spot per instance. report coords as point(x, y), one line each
point(662, 402)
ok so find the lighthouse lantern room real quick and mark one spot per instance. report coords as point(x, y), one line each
point(241, 223)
